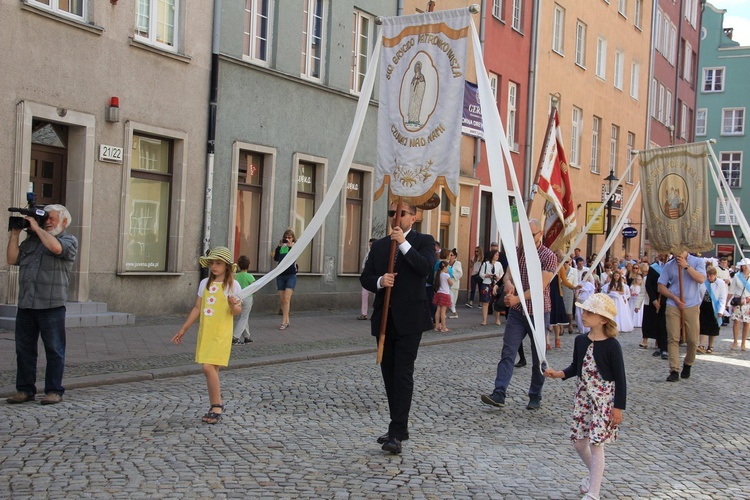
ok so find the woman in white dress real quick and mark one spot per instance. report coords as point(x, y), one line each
point(457, 274)
point(619, 292)
point(635, 290)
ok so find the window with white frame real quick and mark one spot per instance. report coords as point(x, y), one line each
point(672, 44)
point(517, 21)
point(613, 147)
point(149, 201)
point(731, 167)
point(733, 121)
point(665, 38)
point(558, 28)
point(701, 119)
point(308, 194)
point(497, 9)
point(721, 216)
point(247, 225)
point(683, 121)
point(687, 66)
point(512, 115)
point(313, 38)
point(638, 17)
point(257, 34)
point(660, 110)
point(353, 223)
point(668, 108)
point(75, 9)
point(657, 31)
point(601, 58)
point(361, 48)
point(494, 82)
point(622, 7)
point(635, 76)
point(653, 97)
point(691, 12)
point(629, 156)
point(596, 127)
point(581, 44)
point(157, 22)
point(619, 68)
point(575, 136)
point(713, 80)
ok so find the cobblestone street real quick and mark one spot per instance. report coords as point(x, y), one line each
point(308, 429)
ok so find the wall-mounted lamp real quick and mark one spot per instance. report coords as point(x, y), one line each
point(112, 112)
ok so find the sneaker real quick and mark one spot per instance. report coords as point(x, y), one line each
point(664, 355)
point(685, 371)
point(248, 340)
point(493, 399)
point(238, 342)
point(673, 377)
point(51, 398)
point(534, 404)
point(20, 397)
point(453, 316)
point(470, 305)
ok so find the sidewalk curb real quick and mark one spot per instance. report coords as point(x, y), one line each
point(195, 369)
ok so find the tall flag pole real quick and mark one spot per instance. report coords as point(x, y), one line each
point(554, 186)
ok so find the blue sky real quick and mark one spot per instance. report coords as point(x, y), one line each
point(737, 17)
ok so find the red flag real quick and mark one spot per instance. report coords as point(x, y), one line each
point(554, 185)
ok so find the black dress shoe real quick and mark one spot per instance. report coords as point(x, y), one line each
point(656, 353)
point(393, 445)
point(673, 377)
point(520, 364)
point(685, 371)
point(385, 438)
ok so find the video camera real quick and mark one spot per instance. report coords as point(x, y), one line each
point(32, 210)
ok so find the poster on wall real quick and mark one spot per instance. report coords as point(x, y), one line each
point(598, 226)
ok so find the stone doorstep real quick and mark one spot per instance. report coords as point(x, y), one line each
point(77, 314)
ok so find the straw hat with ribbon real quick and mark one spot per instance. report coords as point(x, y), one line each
point(600, 304)
point(217, 253)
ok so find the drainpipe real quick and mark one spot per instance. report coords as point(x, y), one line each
point(211, 145)
point(400, 8)
point(531, 106)
point(478, 141)
point(647, 142)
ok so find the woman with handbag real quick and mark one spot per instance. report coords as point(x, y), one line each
point(490, 272)
point(739, 293)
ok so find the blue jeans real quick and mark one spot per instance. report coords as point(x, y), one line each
point(50, 323)
point(516, 329)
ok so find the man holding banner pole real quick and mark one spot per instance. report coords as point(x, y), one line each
point(517, 327)
point(683, 300)
point(406, 313)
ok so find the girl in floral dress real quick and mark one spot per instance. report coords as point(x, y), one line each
point(217, 302)
point(601, 393)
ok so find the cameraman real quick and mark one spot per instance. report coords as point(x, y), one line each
point(45, 259)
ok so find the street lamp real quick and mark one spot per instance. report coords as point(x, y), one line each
point(610, 178)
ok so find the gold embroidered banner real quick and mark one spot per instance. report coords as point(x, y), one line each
point(421, 102)
point(675, 197)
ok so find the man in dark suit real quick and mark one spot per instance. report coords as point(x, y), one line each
point(408, 313)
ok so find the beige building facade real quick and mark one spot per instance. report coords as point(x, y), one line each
point(593, 62)
point(104, 108)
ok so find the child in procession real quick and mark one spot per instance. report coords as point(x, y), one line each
point(216, 304)
point(442, 298)
point(601, 393)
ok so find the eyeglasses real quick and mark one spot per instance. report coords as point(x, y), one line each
point(392, 213)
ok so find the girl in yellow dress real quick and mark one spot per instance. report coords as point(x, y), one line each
point(217, 302)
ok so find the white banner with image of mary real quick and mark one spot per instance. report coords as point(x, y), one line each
point(421, 104)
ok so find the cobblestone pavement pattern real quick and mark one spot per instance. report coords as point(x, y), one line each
point(307, 430)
